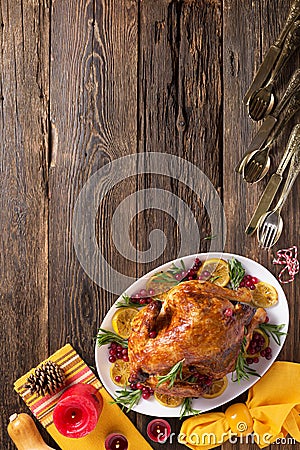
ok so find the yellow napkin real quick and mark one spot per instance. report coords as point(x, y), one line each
point(112, 419)
point(274, 406)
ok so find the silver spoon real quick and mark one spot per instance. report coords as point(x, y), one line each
point(258, 162)
point(269, 123)
point(271, 224)
point(262, 101)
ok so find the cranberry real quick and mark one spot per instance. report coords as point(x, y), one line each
point(256, 359)
point(254, 280)
point(113, 345)
point(139, 385)
point(268, 356)
point(125, 358)
point(228, 312)
point(125, 351)
point(190, 278)
point(178, 276)
point(132, 378)
point(242, 284)
point(112, 359)
point(263, 353)
point(252, 287)
point(151, 391)
point(119, 355)
point(118, 378)
point(133, 386)
point(206, 274)
point(151, 292)
point(143, 301)
point(149, 300)
point(119, 348)
point(184, 274)
point(248, 283)
point(143, 293)
point(251, 351)
point(152, 334)
point(146, 395)
point(267, 319)
point(249, 360)
point(248, 278)
point(112, 351)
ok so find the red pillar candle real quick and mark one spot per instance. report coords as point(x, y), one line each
point(116, 441)
point(77, 411)
point(158, 430)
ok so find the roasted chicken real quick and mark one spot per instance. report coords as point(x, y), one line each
point(198, 323)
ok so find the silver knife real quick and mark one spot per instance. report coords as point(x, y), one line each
point(268, 124)
point(273, 53)
point(275, 180)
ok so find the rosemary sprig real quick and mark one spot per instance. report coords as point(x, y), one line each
point(106, 337)
point(126, 302)
point(242, 370)
point(128, 398)
point(172, 375)
point(209, 238)
point(164, 277)
point(169, 275)
point(213, 279)
point(186, 408)
point(273, 331)
point(236, 273)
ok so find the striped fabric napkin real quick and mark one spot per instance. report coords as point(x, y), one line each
point(112, 419)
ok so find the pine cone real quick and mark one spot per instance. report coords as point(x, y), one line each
point(46, 379)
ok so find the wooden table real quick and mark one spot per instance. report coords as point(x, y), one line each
point(84, 83)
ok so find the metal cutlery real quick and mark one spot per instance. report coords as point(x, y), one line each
point(275, 180)
point(273, 53)
point(258, 162)
point(271, 224)
point(270, 121)
point(262, 100)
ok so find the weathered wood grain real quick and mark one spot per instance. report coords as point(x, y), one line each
point(249, 29)
point(92, 81)
point(24, 31)
point(180, 113)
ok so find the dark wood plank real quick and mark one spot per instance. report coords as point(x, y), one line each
point(24, 190)
point(249, 29)
point(180, 114)
point(93, 113)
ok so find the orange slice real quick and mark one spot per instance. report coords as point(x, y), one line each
point(264, 295)
point(120, 372)
point(215, 270)
point(216, 388)
point(161, 282)
point(263, 347)
point(168, 400)
point(121, 321)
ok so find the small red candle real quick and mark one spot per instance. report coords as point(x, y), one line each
point(116, 441)
point(158, 430)
point(78, 410)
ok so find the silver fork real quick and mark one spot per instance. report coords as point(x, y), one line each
point(271, 224)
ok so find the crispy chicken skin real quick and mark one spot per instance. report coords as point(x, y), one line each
point(195, 322)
